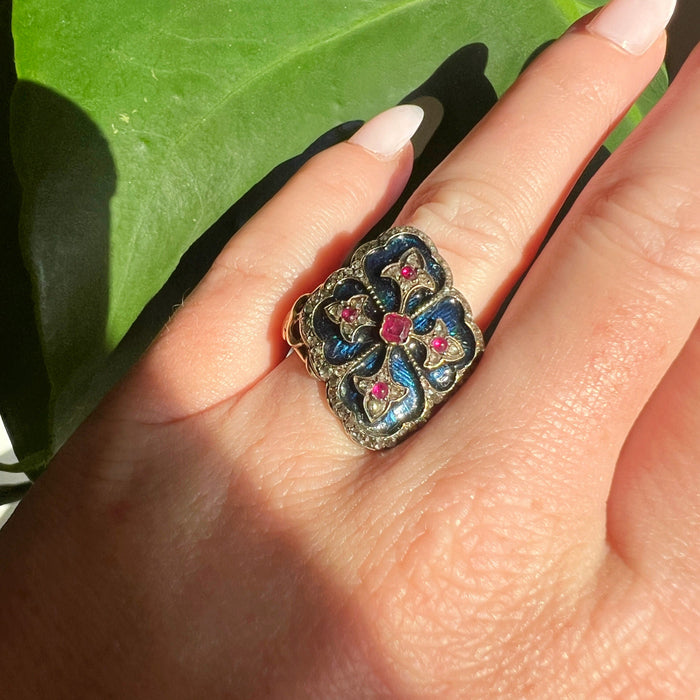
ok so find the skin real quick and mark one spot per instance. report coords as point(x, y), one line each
point(211, 532)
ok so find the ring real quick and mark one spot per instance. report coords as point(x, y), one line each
point(389, 335)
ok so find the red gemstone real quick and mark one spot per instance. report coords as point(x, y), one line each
point(380, 390)
point(395, 328)
point(348, 314)
point(408, 272)
point(439, 344)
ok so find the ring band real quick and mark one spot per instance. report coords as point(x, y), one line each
point(389, 335)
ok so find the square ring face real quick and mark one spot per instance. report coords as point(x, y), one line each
point(390, 337)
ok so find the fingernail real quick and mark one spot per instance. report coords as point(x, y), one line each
point(388, 132)
point(633, 25)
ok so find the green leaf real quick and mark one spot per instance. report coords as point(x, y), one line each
point(24, 385)
point(32, 465)
point(9, 493)
point(137, 124)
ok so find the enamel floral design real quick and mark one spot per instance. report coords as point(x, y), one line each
point(409, 273)
point(389, 335)
point(350, 316)
point(380, 392)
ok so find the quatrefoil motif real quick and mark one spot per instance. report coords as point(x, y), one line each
point(390, 336)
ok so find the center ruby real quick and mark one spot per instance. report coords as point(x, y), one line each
point(395, 328)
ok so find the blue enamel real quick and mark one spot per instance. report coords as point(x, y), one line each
point(402, 411)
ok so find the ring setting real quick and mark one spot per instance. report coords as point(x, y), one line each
point(389, 335)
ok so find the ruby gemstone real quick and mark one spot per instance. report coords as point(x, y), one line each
point(439, 344)
point(348, 314)
point(395, 328)
point(408, 272)
point(380, 390)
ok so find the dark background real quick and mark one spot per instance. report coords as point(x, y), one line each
point(683, 33)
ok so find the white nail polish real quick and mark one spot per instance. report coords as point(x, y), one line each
point(633, 25)
point(387, 133)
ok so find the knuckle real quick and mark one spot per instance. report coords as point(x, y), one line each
point(652, 219)
point(345, 182)
point(475, 219)
point(626, 626)
point(468, 566)
point(262, 269)
point(598, 98)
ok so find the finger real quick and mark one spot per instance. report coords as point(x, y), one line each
point(654, 505)
point(212, 372)
point(490, 203)
point(227, 334)
point(602, 313)
point(500, 189)
point(198, 358)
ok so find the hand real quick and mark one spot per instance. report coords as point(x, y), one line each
point(211, 531)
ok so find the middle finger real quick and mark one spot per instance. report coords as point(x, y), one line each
point(490, 203)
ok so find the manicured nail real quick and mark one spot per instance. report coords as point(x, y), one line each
point(388, 132)
point(633, 25)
